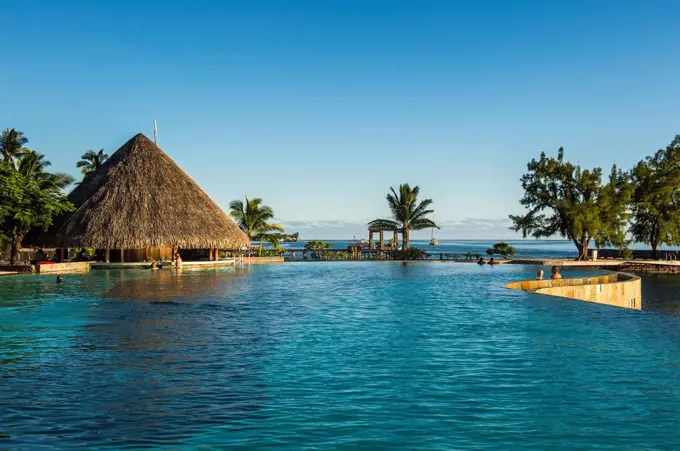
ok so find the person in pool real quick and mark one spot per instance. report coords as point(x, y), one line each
point(481, 261)
point(555, 273)
point(539, 274)
point(60, 279)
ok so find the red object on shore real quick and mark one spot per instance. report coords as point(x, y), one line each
point(46, 262)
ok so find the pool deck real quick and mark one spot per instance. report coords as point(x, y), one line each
point(615, 289)
point(147, 265)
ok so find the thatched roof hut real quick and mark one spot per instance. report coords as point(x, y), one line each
point(141, 198)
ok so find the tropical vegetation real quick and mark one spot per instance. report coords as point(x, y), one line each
point(318, 249)
point(30, 197)
point(655, 208)
point(254, 219)
point(411, 253)
point(12, 145)
point(407, 213)
point(563, 199)
point(503, 249)
point(91, 161)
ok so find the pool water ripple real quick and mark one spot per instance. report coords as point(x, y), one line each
point(433, 356)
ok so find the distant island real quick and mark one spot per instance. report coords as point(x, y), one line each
point(283, 237)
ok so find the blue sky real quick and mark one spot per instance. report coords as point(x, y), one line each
point(319, 106)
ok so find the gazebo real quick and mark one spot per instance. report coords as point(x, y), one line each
point(141, 205)
point(381, 233)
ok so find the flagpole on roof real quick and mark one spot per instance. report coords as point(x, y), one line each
point(155, 131)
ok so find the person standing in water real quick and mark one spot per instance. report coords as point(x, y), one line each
point(539, 274)
point(178, 261)
point(556, 273)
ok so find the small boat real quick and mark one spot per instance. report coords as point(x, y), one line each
point(433, 240)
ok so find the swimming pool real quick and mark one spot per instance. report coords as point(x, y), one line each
point(329, 356)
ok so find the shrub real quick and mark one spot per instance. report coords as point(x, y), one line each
point(411, 253)
point(471, 255)
point(316, 248)
point(503, 249)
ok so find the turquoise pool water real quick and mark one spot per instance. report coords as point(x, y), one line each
point(341, 356)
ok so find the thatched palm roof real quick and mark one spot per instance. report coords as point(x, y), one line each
point(141, 198)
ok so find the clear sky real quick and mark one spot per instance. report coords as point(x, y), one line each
point(319, 106)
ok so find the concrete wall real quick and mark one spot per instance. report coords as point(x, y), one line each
point(261, 260)
point(619, 289)
point(63, 267)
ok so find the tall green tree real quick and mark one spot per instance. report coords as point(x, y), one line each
point(563, 199)
point(12, 145)
point(91, 161)
point(32, 165)
point(407, 213)
point(254, 219)
point(656, 200)
point(26, 203)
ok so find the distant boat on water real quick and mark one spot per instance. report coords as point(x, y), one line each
point(433, 240)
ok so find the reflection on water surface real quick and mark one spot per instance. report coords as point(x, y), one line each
point(329, 356)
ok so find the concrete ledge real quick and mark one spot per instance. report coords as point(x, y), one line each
point(147, 265)
point(63, 267)
point(13, 269)
point(618, 289)
point(261, 260)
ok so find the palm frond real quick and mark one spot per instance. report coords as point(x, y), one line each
point(384, 224)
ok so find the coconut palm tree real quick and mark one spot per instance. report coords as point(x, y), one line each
point(32, 165)
point(91, 161)
point(407, 213)
point(253, 218)
point(12, 144)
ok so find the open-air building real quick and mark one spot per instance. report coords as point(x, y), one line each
point(140, 206)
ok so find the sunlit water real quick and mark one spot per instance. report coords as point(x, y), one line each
point(314, 356)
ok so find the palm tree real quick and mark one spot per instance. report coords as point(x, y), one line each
point(253, 218)
point(12, 144)
point(32, 165)
point(91, 161)
point(407, 213)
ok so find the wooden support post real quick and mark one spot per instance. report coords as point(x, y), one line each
point(122, 256)
point(382, 243)
point(107, 255)
point(370, 240)
point(396, 240)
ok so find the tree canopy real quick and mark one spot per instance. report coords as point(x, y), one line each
point(12, 145)
point(26, 203)
point(91, 161)
point(254, 219)
point(656, 200)
point(29, 195)
point(407, 213)
point(563, 199)
point(503, 249)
